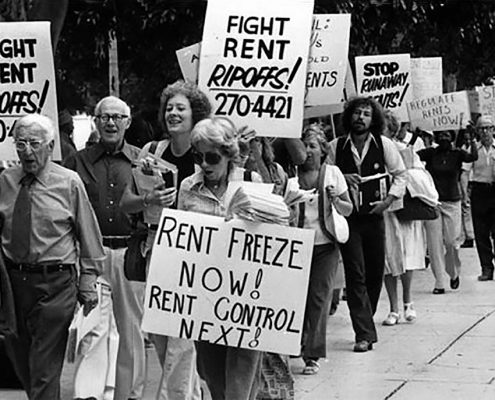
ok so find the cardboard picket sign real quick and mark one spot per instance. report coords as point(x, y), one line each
point(387, 78)
point(253, 62)
point(426, 77)
point(486, 95)
point(447, 111)
point(188, 59)
point(27, 80)
point(234, 283)
point(474, 101)
point(348, 92)
point(327, 62)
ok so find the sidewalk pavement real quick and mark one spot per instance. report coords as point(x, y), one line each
point(447, 354)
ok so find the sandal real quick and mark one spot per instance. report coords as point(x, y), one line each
point(392, 319)
point(312, 367)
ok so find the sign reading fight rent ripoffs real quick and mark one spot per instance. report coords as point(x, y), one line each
point(231, 283)
point(447, 111)
point(27, 79)
point(327, 58)
point(253, 62)
point(387, 78)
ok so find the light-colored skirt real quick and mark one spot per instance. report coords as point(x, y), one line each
point(405, 245)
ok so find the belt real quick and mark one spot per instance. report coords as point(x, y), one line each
point(37, 268)
point(482, 184)
point(115, 242)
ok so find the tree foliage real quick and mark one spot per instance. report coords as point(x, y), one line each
point(150, 31)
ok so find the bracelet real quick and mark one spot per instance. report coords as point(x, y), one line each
point(145, 202)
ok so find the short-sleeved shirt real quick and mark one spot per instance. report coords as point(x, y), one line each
point(311, 212)
point(105, 176)
point(445, 167)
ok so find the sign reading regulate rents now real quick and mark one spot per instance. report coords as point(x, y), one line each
point(27, 79)
point(446, 111)
point(253, 62)
point(231, 283)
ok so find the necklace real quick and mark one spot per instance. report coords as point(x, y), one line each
point(215, 185)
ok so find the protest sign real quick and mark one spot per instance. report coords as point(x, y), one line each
point(387, 78)
point(426, 77)
point(234, 283)
point(474, 101)
point(447, 111)
point(487, 100)
point(253, 62)
point(188, 59)
point(348, 92)
point(27, 79)
point(327, 58)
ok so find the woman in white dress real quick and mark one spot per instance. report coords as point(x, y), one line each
point(405, 247)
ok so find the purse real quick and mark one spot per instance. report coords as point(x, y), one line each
point(416, 209)
point(134, 261)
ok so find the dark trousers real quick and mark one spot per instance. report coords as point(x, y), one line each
point(230, 372)
point(364, 259)
point(44, 304)
point(321, 280)
point(483, 213)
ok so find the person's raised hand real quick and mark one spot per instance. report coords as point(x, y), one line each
point(244, 137)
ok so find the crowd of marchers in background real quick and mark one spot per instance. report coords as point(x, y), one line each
point(66, 227)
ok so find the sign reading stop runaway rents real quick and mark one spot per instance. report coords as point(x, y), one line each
point(231, 283)
point(388, 79)
point(253, 62)
point(27, 79)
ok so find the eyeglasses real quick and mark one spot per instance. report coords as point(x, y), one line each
point(209, 158)
point(22, 145)
point(115, 117)
point(486, 128)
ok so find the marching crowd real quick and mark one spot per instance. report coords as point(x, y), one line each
point(65, 230)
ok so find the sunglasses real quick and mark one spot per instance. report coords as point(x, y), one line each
point(209, 158)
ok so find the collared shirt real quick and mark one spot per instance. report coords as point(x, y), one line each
point(105, 176)
point(64, 227)
point(393, 161)
point(483, 167)
point(195, 196)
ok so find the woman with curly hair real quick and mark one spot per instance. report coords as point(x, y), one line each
point(182, 105)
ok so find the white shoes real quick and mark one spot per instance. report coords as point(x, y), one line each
point(409, 312)
point(392, 319)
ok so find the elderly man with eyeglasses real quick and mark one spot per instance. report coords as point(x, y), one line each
point(483, 196)
point(50, 233)
point(105, 169)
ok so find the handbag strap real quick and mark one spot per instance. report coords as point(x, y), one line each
point(153, 146)
point(321, 202)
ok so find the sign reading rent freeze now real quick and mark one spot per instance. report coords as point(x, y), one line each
point(232, 283)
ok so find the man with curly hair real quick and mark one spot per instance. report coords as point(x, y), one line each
point(364, 152)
